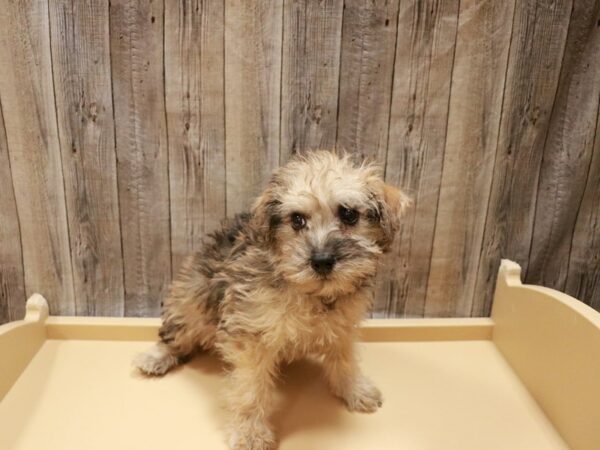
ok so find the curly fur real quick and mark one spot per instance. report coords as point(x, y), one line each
point(252, 295)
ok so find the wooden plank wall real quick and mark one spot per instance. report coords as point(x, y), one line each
point(129, 128)
point(30, 120)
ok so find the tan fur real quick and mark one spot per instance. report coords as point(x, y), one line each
point(253, 296)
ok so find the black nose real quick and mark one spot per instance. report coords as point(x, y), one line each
point(322, 262)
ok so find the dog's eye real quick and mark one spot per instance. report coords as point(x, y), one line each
point(348, 216)
point(298, 221)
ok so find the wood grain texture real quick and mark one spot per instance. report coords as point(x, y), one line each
point(568, 150)
point(136, 38)
point(129, 128)
point(194, 73)
point(419, 114)
point(534, 65)
point(252, 101)
point(478, 76)
point(367, 64)
point(12, 281)
point(82, 83)
point(312, 33)
point(583, 277)
point(28, 107)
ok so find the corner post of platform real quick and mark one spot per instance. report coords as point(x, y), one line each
point(36, 309)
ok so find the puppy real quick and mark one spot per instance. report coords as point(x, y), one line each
point(291, 279)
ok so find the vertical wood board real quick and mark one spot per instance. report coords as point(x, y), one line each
point(568, 149)
point(534, 67)
point(252, 97)
point(194, 78)
point(12, 282)
point(82, 83)
point(367, 65)
point(478, 77)
point(418, 117)
point(136, 41)
point(583, 277)
point(27, 93)
point(312, 33)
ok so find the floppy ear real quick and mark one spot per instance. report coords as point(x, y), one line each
point(266, 215)
point(397, 201)
point(392, 208)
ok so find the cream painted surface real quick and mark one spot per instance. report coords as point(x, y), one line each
point(524, 379)
point(438, 395)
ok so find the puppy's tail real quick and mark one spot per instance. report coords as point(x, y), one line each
point(158, 360)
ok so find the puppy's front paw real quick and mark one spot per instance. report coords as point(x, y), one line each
point(252, 437)
point(363, 397)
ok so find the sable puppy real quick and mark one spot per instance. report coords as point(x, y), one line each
point(291, 279)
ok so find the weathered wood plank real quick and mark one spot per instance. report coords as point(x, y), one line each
point(368, 53)
point(501, 154)
point(478, 76)
point(252, 103)
point(12, 281)
point(81, 69)
point(136, 38)
point(194, 73)
point(29, 114)
point(310, 76)
point(583, 277)
point(419, 113)
point(568, 149)
point(367, 64)
point(539, 33)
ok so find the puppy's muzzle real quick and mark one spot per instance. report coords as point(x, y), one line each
point(322, 262)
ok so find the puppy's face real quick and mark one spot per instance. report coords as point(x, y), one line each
point(327, 221)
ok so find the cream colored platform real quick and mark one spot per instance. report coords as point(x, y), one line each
point(526, 379)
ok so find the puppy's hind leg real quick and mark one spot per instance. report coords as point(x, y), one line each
point(157, 360)
point(174, 344)
point(180, 336)
point(189, 323)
